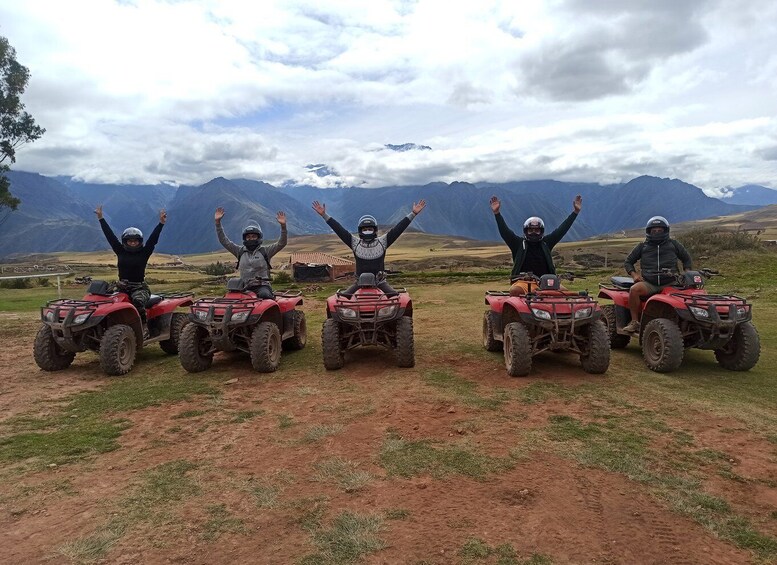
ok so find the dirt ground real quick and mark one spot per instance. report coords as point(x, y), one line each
point(543, 503)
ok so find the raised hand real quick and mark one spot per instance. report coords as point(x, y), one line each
point(99, 211)
point(281, 217)
point(219, 214)
point(162, 216)
point(319, 208)
point(418, 207)
point(495, 204)
point(578, 203)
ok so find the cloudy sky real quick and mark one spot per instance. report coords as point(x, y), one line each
point(587, 90)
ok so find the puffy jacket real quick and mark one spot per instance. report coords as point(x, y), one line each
point(517, 244)
point(654, 257)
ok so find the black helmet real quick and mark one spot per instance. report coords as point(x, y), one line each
point(534, 222)
point(368, 228)
point(252, 244)
point(131, 233)
point(657, 222)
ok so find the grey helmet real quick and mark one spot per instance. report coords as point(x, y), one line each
point(657, 222)
point(534, 222)
point(131, 233)
point(252, 244)
point(368, 227)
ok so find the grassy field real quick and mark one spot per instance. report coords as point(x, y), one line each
point(449, 462)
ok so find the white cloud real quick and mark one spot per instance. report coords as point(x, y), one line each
point(594, 90)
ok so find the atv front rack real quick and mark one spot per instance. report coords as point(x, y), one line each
point(719, 306)
point(231, 306)
point(70, 308)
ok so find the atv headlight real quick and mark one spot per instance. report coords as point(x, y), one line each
point(699, 312)
point(742, 311)
point(81, 318)
point(387, 311)
point(239, 317)
point(347, 313)
point(541, 314)
point(201, 314)
point(583, 313)
point(50, 316)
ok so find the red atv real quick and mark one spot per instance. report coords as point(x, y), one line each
point(546, 318)
point(684, 316)
point(368, 317)
point(106, 321)
point(242, 321)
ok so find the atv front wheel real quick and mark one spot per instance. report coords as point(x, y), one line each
point(597, 358)
point(48, 355)
point(662, 345)
point(300, 337)
point(334, 356)
point(489, 342)
point(517, 349)
point(405, 351)
point(742, 351)
point(617, 341)
point(177, 323)
point(194, 349)
point(265, 347)
point(118, 350)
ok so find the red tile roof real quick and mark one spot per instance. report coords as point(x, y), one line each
point(318, 259)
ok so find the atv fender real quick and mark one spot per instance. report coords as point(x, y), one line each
point(123, 313)
point(619, 297)
point(268, 311)
point(168, 306)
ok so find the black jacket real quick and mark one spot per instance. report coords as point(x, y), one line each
point(517, 244)
point(132, 264)
point(652, 258)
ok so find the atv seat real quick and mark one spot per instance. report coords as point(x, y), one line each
point(153, 300)
point(622, 282)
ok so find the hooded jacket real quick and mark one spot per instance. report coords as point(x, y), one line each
point(517, 244)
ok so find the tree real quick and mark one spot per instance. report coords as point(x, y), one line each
point(16, 126)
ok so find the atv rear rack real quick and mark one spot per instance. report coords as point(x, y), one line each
point(287, 293)
point(175, 295)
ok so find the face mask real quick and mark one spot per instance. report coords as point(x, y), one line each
point(251, 244)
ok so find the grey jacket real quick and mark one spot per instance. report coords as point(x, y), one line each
point(654, 257)
point(252, 264)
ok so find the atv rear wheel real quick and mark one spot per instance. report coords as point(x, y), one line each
point(489, 342)
point(517, 349)
point(742, 351)
point(300, 337)
point(265, 347)
point(334, 356)
point(662, 345)
point(48, 355)
point(177, 323)
point(597, 359)
point(118, 349)
point(617, 341)
point(193, 349)
point(405, 351)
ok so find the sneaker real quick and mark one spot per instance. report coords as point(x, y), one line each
point(146, 335)
point(632, 327)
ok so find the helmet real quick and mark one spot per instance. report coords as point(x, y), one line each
point(368, 228)
point(534, 222)
point(657, 222)
point(131, 233)
point(253, 243)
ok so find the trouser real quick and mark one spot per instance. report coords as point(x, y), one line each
point(382, 285)
point(139, 294)
point(263, 291)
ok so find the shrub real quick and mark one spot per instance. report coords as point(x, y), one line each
point(709, 241)
point(282, 278)
point(43, 281)
point(218, 269)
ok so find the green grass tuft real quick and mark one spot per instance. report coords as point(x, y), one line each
point(351, 537)
point(465, 390)
point(345, 474)
point(411, 458)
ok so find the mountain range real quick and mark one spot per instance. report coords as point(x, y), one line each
point(56, 213)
